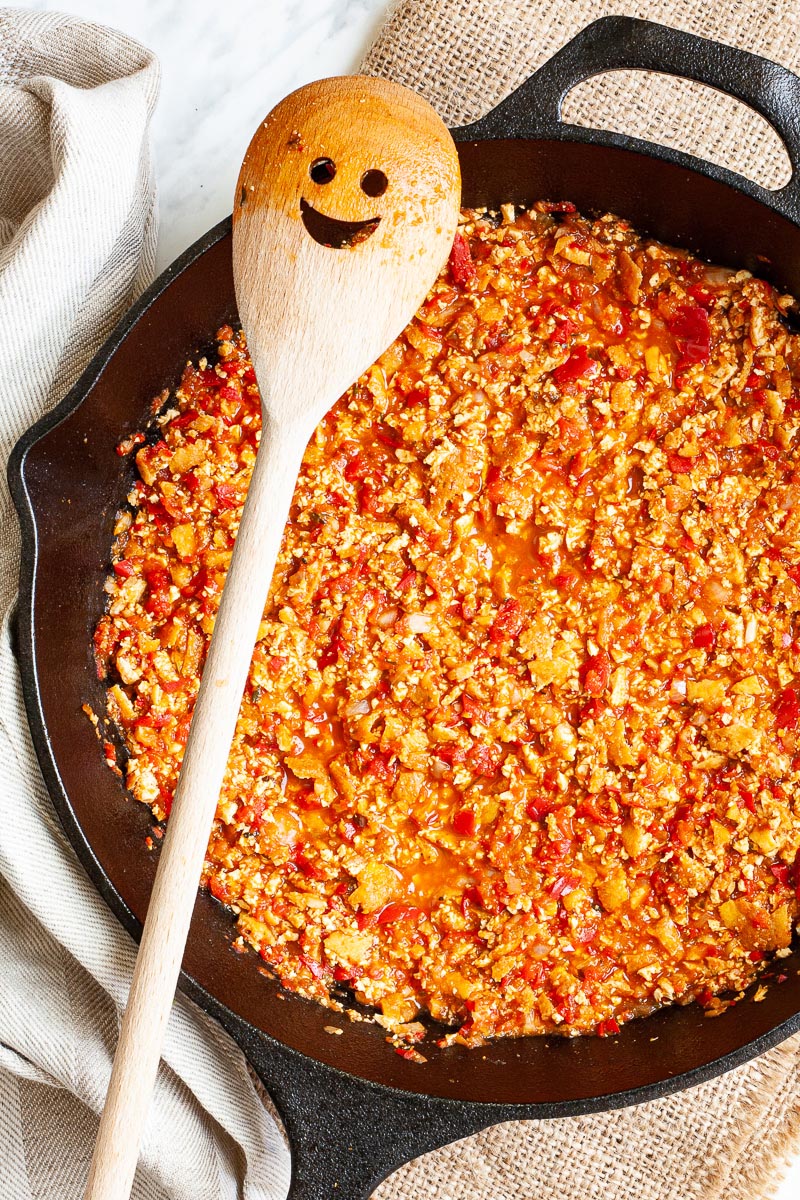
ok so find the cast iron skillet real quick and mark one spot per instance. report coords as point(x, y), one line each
point(353, 1109)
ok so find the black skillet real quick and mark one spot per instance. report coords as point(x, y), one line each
point(353, 1109)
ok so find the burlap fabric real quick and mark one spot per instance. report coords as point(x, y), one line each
point(732, 1137)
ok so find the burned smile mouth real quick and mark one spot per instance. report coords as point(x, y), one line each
point(330, 232)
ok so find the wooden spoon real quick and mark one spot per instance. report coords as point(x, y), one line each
point(346, 208)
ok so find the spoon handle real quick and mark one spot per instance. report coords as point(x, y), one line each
point(172, 901)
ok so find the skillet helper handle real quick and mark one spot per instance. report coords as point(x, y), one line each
point(346, 1135)
point(180, 864)
point(618, 43)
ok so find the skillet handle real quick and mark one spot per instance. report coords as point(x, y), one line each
point(625, 43)
point(347, 1135)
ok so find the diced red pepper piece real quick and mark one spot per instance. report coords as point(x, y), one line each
point(563, 332)
point(566, 581)
point(383, 767)
point(196, 584)
point(473, 711)
point(123, 568)
point(303, 864)
point(704, 637)
point(607, 1028)
point(787, 709)
point(307, 799)
point(535, 973)
point(562, 886)
point(749, 799)
point(367, 502)
point(591, 711)
point(106, 636)
point(508, 622)
point(226, 495)
point(464, 822)
point(595, 673)
point(357, 468)
point(703, 297)
point(346, 974)
point(782, 872)
point(689, 326)
point(485, 760)
point(451, 754)
point(768, 449)
point(496, 336)
point(336, 648)
point(154, 720)
point(183, 419)
point(462, 268)
point(157, 579)
point(211, 380)
point(349, 831)
point(316, 969)
point(158, 603)
point(219, 889)
point(430, 331)
point(679, 464)
point(567, 1007)
point(390, 913)
point(539, 807)
point(578, 366)
point(387, 436)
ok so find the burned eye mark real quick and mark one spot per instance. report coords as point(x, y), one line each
point(374, 182)
point(322, 170)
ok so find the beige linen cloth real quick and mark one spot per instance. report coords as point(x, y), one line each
point(77, 235)
point(77, 244)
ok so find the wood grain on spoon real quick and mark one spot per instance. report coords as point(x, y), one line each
point(345, 210)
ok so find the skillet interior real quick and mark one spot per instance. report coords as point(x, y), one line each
point(70, 486)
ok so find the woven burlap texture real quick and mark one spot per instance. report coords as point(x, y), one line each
point(730, 1137)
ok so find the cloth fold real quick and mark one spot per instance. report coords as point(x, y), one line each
point(77, 245)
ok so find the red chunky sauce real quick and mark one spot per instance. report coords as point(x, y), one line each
point(519, 745)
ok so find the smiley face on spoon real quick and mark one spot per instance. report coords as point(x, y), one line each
point(346, 183)
point(335, 160)
point(328, 230)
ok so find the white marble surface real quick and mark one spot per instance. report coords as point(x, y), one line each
point(223, 66)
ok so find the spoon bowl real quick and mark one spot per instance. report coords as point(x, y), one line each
point(346, 207)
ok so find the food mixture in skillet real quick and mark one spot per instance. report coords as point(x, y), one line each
point(519, 746)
